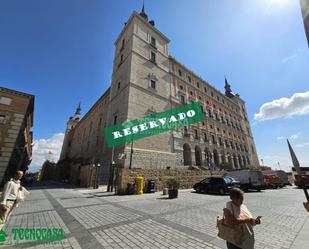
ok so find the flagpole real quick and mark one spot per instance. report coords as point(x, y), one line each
point(297, 167)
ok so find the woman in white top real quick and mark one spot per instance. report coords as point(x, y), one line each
point(236, 213)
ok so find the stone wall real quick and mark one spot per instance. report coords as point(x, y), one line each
point(186, 177)
point(16, 111)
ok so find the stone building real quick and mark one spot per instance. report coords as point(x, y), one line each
point(305, 12)
point(84, 143)
point(147, 79)
point(16, 137)
point(47, 172)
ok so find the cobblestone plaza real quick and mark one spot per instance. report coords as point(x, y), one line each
point(94, 219)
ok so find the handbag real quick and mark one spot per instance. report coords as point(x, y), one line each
point(231, 233)
point(22, 194)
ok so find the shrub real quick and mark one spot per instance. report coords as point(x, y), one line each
point(173, 183)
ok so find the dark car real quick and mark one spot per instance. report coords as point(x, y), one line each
point(221, 185)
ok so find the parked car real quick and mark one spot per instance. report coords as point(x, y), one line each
point(221, 185)
point(283, 177)
point(271, 179)
point(249, 179)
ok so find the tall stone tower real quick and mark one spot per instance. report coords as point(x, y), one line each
point(244, 123)
point(140, 86)
point(72, 122)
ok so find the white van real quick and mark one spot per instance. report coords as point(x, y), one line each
point(249, 179)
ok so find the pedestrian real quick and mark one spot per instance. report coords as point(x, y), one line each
point(10, 196)
point(237, 214)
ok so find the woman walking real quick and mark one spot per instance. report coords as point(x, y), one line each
point(237, 214)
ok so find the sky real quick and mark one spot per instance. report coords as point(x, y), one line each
point(62, 52)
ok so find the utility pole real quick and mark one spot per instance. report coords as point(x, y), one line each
point(111, 173)
point(131, 154)
point(97, 175)
point(279, 165)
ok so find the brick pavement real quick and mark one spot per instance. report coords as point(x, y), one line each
point(92, 219)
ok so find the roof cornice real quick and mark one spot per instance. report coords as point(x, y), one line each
point(135, 14)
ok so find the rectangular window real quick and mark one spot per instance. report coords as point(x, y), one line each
point(213, 139)
point(5, 101)
point(195, 134)
point(198, 84)
point(152, 84)
point(232, 145)
point(209, 113)
point(220, 141)
point(189, 79)
point(153, 57)
point(182, 99)
point(115, 119)
point(2, 119)
point(179, 73)
point(205, 137)
point(153, 41)
point(227, 144)
point(118, 87)
point(185, 131)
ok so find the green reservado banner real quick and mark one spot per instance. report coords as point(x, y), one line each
point(154, 124)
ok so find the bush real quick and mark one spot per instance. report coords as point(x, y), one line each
point(173, 183)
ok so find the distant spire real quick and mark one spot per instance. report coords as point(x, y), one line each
point(78, 109)
point(142, 13)
point(226, 83)
point(227, 87)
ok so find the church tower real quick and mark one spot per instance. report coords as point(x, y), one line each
point(72, 122)
point(244, 124)
point(140, 86)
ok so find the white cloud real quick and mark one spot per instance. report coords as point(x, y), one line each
point(280, 138)
point(294, 55)
point(288, 58)
point(298, 104)
point(294, 136)
point(302, 145)
point(46, 149)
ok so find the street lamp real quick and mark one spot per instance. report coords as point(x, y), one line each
point(97, 175)
point(91, 176)
point(279, 165)
point(262, 161)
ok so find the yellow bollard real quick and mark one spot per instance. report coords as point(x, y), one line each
point(140, 185)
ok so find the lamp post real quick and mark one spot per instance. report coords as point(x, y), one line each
point(131, 154)
point(97, 175)
point(111, 173)
point(279, 165)
point(262, 161)
point(92, 180)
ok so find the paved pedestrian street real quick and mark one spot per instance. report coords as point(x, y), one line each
point(95, 219)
